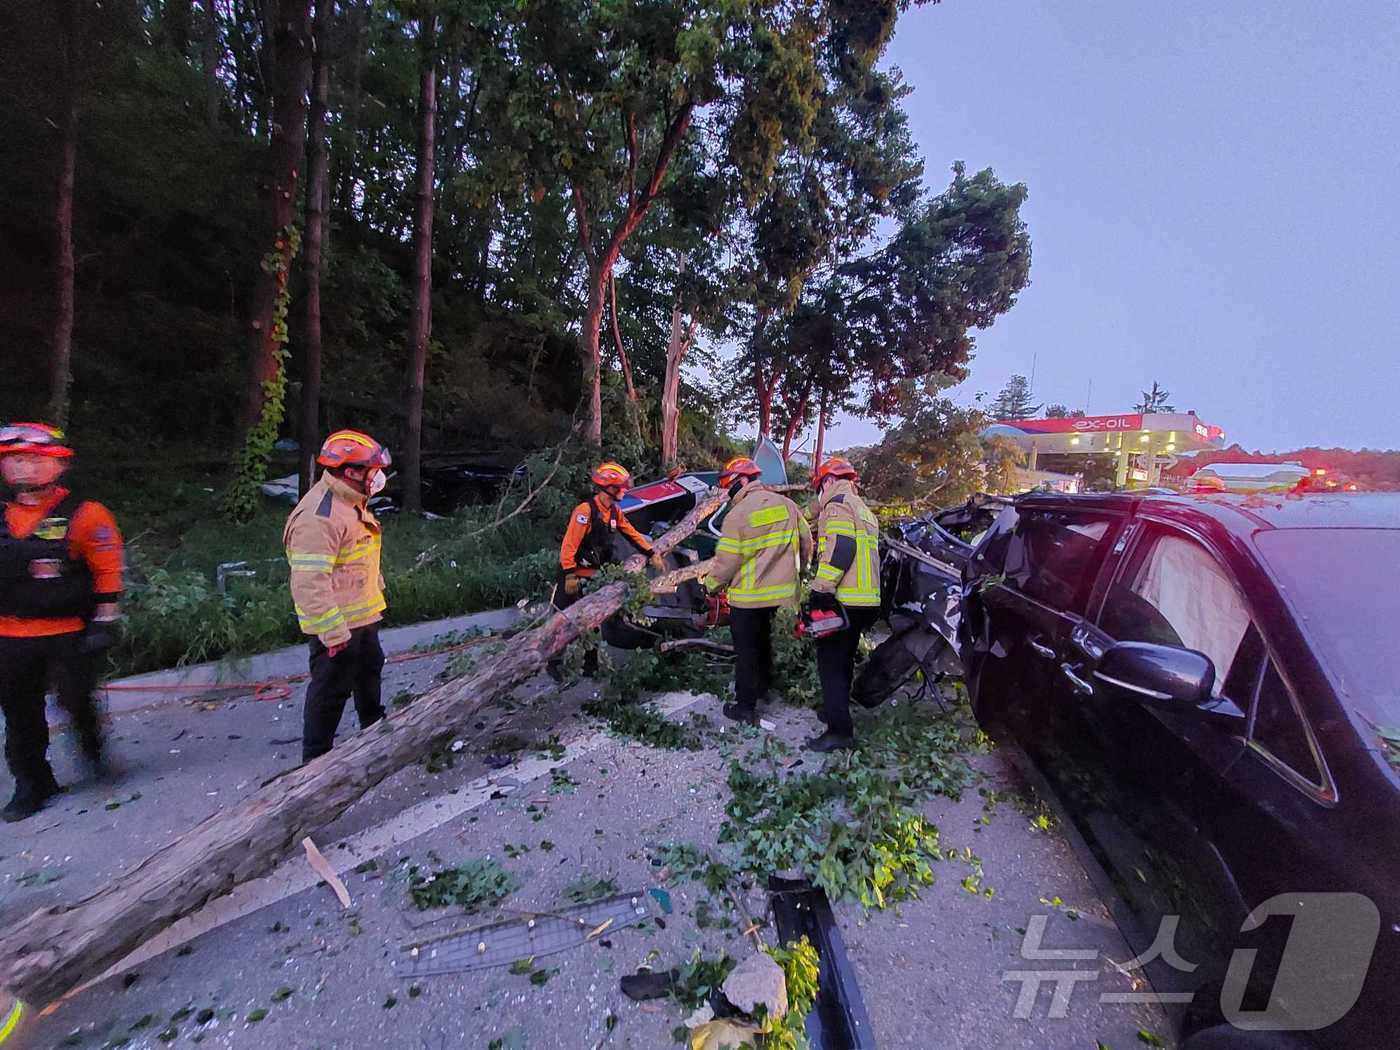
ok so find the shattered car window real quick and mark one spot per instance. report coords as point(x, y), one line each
point(1052, 557)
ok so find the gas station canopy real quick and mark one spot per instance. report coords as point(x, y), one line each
point(1144, 444)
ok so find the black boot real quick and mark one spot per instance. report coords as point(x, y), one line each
point(21, 808)
point(741, 713)
point(830, 741)
point(102, 770)
point(47, 786)
point(31, 792)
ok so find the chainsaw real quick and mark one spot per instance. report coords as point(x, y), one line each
point(820, 623)
point(714, 614)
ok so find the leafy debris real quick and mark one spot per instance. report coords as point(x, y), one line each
point(472, 885)
point(853, 824)
point(589, 889)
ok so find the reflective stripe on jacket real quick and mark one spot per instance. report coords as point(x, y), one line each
point(849, 563)
point(333, 547)
point(764, 544)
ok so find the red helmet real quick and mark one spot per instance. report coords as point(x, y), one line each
point(835, 467)
point(609, 475)
point(40, 439)
point(738, 467)
point(351, 448)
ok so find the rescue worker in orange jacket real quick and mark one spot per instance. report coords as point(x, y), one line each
point(593, 525)
point(764, 546)
point(333, 547)
point(847, 580)
point(60, 585)
point(588, 546)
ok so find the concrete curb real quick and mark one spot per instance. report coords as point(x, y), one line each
point(280, 663)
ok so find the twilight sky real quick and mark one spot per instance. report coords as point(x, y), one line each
point(1213, 202)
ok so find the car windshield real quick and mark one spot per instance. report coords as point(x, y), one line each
point(1345, 584)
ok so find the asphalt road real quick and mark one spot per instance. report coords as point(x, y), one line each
point(286, 966)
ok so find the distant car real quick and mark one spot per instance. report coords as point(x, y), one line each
point(1208, 684)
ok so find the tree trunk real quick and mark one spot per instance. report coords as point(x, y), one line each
point(676, 348)
point(209, 52)
point(175, 24)
point(422, 326)
point(292, 41)
point(617, 341)
point(764, 389)
point(345, 176)
point(763, 385)
point(634, 407)
point(821, 435)
point(588, 350)
point(316, 193)
point(600, 265)
point(56, 948)
point(61, 372)
point(790, 430)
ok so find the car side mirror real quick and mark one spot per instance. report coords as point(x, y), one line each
point(1164, 673)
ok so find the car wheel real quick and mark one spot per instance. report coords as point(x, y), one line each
point(889, 666)
point(1228, 1037)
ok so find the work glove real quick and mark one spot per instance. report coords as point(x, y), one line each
point(99, 636)
point(656, 561)
point(824, 600)
point(335, 648)
point(572, 584)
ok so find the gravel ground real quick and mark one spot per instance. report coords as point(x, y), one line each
point(302, 972)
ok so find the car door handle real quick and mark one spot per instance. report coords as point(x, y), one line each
point(1042, 649)
point(1081, 686)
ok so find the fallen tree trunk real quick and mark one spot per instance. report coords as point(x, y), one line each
point(57, 948)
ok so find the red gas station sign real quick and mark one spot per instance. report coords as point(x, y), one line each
point(1079, 425)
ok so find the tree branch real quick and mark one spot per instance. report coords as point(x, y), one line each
point(674, 134)
point(585, 235)
point(629, 133)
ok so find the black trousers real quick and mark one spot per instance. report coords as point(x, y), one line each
point(836, 663)
point(752, 630)
point(356, 670)
point(27, 666)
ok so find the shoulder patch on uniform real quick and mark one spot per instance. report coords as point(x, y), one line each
point(582, 519)
point(327, 501)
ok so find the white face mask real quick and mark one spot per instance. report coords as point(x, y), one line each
point(377, 483)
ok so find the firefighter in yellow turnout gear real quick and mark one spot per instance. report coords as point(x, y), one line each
point(848, 579)
point(333, 547)
point(764, 546)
